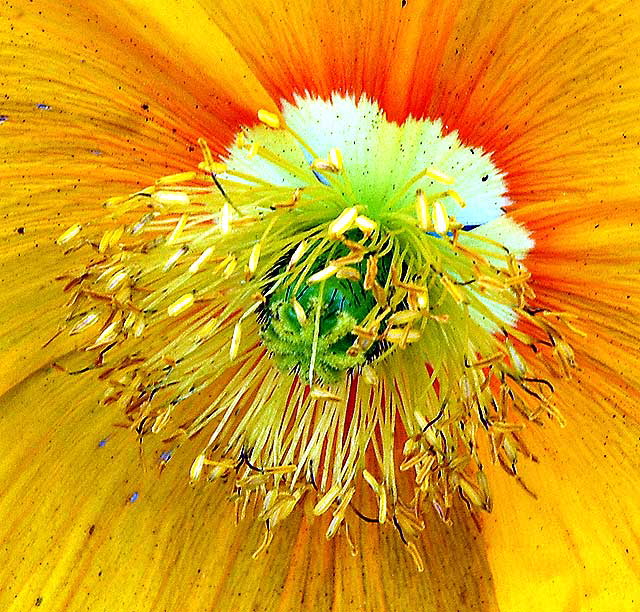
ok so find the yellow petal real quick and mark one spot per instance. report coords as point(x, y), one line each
point(575, 547)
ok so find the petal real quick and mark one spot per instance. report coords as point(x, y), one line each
point(575, 547)
point(100, 526)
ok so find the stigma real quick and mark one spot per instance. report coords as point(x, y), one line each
point(345, 303)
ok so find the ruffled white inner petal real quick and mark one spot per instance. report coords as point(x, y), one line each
point(380, 157)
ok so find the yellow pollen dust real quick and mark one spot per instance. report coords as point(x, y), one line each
point(354, 362)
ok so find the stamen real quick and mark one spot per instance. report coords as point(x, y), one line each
point(202, 259)
point(69, 234)
point(171, 197)
point(422, 211)
point(436, 175)
point(174, 236)
point(235, 341)
point(323, 274)
point(366, 225)
point(336, 159)
point(366, 334)
point(269, 119)
point(174, 179)
point(181, 305)
point(440, 218)
point(344, 222)
point(254, 257)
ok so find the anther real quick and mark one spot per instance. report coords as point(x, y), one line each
point(181, 304)
point(254, 257)
point(170, 197)
point(440, 218)
point(69, 234)
point(436, 175)
point(269, 119)
point(177, 230)
point(322, 275)
point(343, 223)
point(202, 259)
point(335, 159)
point(327, 499)
point(365, 225)
point(235, 341)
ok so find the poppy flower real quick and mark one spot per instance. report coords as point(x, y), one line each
point(320, 305)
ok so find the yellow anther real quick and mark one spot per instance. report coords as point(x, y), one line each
point(382, 505)
point(254, 150)
point(281, 469)
point(173, 259)
point(352, 258)
point(471, 492)
point(422, 300)
point(436, 175)
point(324, 165)
point(440, 218)
point(115, 281)
point(115, 236)
point(108, 334)
point(225, 218)
point(403, 316)
point(181, 304)
point(198, 263)
point(297, 254)
point(269, 119)
point(230, 266)
point(323, 274)
point(365, 225)
point(88, 320)
point(422, 211)
point(213, 167)
point(104, 241)
point(177, 230)
point(301, 315)
point(241, 141)
point(348, 273)
point(254, 257)
point(343, 222)
point(324, 394)
point(456, 196)
point(170, 197)
point(196, 467)
point(335, 158)
point(326, 500)
point(139, 326)
point(371, 273)
point(207, 329)
point(373, 483)
point(402, 336)
point(69, 234)
point(235, 341)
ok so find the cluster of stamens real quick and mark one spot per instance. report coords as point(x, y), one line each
point(329, 352)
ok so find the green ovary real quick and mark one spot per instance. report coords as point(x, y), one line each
point(332, 308)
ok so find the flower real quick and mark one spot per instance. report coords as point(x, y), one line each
point(540, 100)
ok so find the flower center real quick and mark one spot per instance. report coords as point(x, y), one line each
point(349, 299)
